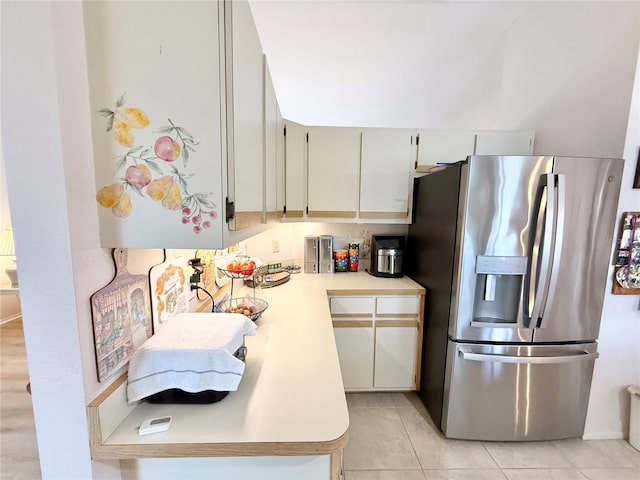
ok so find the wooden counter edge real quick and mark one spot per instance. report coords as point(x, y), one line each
point(247, 449)
point(102, 451)
point(376, 291)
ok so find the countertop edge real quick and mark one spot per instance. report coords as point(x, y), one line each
point(246, 449)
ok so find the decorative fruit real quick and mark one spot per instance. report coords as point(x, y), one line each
point(159, 188)
point(123, 207)
point(241, 266)
point(134, 117)
point(166, 148)
point(173, 200)
point(138, 175)
point(122, 133)
point(108, 196)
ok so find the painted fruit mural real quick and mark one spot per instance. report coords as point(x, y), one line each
point(153, 172)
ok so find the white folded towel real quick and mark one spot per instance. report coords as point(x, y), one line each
point(193, 352)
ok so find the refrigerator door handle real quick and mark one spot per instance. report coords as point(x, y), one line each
point(542, 261)
point(467, 354)
point(558, 233)
point(550, 243)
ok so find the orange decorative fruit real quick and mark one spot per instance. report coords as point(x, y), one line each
point(134, 117)
point(109, 195)
point(122, 133)
point(159, 188)
point(173, 200)
point(123, 207)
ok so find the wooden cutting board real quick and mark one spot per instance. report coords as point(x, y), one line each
point(212, 278)
point(121, 313)
point(170, 289)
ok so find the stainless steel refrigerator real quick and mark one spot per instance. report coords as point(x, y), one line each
point(514, 254)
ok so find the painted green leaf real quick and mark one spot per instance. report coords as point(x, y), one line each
point(185, 155)
point(164, 129)
point(153, 166)
point(120, 162)
point(183, 131)
point(110, 123)
point(183, 183)
point(120, 101)
point(105, 112)
point(136, 189)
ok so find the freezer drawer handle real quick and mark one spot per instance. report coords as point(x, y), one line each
point(467, 354)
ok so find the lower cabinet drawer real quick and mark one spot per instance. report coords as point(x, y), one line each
point(402, 305)
point(352, 305)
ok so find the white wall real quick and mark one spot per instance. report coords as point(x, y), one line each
point(48, 160)
point(290, 238)
point(569, 69)
point(9, 304)
point(619, 362)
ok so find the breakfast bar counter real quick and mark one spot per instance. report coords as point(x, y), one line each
point(289, 412)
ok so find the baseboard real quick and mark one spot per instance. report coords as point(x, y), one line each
point(10, 319)
point(603, 436)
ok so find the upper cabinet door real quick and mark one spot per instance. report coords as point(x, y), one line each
point(280, 164)
point(443, 146)
point(245, 116)
point(271, 148)
point(386, 172)
point(504, 143)
point(156, 128)
point(333, 171)
point(295, 149)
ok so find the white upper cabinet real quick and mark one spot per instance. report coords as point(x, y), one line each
point(178, 123)
point(449, 146)
point(295, 151)
point(504, 143)
point(333, 172)
point(280, 164)
point(155, 97)
point(386, 172)
point(443, 146)
point(245, 116)
point(271, 132)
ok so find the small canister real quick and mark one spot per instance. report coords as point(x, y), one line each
point(341, 258)
point(354, 256)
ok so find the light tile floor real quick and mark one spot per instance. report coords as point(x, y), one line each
point(393, 438)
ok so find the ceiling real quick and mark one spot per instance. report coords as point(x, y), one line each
point(329, 58)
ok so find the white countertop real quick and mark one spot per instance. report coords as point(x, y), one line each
point(291, 391)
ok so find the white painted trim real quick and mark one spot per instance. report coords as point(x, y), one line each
point(603, 436)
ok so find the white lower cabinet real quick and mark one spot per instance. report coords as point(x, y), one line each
point(355, 349)
point(395, 358)
point(378, 338)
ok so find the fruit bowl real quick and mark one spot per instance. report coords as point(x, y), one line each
point(248, 306)
point(238, 267)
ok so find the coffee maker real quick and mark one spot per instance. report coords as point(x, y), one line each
point(386, 255)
